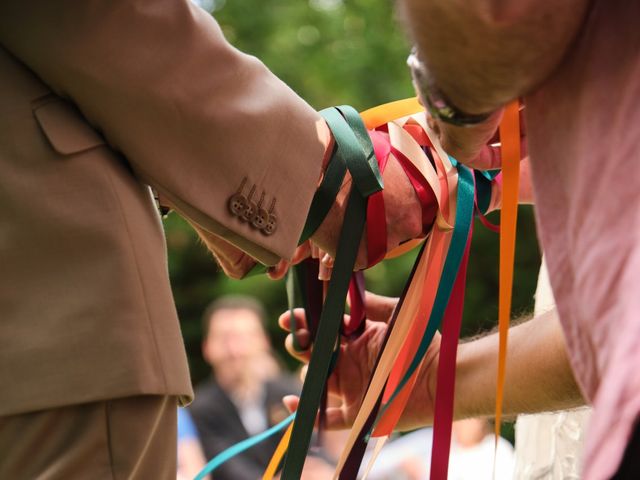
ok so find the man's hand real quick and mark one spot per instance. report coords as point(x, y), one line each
point(234, 262)
point(402, 214)
point(473, 146)
point(536, 356)
point(403, 217)
point(476, 146)
point(348, 382)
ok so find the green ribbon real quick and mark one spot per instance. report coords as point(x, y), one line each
point(353, 151)
point(366, 181)
point(325, 195)
point(354, 120)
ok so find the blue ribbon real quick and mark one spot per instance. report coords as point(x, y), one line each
point(238, 448)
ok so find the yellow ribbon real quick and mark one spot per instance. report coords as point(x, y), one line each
point(276, 459)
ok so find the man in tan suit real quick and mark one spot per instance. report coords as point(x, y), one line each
point(98, 101)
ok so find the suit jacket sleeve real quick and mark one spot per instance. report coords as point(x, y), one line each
point(192, 115)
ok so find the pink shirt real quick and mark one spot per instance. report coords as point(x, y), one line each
point(584, 139)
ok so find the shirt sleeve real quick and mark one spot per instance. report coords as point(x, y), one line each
point(186, 427)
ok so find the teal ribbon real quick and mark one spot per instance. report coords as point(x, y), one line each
point(464, 215)
point(238, 448)
point(483, 191)
point(484, 179)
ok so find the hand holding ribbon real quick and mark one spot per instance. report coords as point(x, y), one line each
point(356, 361)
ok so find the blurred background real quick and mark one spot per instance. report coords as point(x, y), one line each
point(332, 52)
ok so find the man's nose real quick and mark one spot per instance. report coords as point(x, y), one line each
point(237, 348)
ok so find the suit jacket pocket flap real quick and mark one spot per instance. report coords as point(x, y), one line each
point(65, 127)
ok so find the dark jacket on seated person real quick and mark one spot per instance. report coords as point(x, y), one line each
point(220, 426)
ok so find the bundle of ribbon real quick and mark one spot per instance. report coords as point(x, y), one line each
point(449, 193)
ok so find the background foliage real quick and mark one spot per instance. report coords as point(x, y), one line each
point(332, 52)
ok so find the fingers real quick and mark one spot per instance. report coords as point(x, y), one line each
point(490, 157)
point(307, 249)
point(284, 321)
point(303, 251)
point(326, 267)
point(300, 355)
point(291, 402)
point(475, 146)
point(379, 308)
point(336, 418)
point(326, 262)
point(466, 144)
point(279, 270)
point(302, 335)
point(233, 261)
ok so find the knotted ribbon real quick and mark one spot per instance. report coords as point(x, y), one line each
point(435, 291)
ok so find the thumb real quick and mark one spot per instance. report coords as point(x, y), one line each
point(291, 402)
point(234, 262)
point(279, 270)
point(379, 308)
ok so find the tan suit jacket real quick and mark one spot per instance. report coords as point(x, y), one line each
point(99, 99)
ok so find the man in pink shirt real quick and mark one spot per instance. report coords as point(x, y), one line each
point(576, 63)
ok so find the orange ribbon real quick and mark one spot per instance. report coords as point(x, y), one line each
point(276, 459)
point(510, 149)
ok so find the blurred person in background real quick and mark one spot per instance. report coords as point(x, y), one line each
point(244, 395)
point(473, 450)
point(408, 457)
